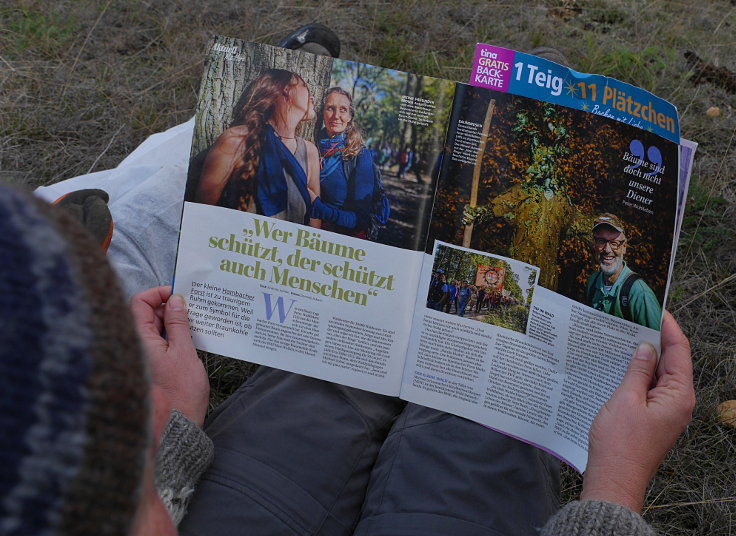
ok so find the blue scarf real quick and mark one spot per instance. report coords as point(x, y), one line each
point(271, 189)
point(330, 152)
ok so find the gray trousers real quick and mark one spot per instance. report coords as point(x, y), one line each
point(296, 455)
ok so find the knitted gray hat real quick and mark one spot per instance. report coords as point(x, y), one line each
point(74, 406)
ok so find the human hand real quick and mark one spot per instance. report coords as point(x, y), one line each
point(636, 428)
point(175, 367)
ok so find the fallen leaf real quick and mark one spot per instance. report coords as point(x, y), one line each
point(727, 413)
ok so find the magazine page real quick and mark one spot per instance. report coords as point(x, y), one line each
point(522, 74)
point(547, 263)
point(306, 212)
point(687, 157)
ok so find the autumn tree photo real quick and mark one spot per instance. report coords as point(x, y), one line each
point(545, 174)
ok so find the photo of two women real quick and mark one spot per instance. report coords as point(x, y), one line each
point(307, 139)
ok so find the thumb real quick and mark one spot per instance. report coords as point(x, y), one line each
point(640, 374)
point(176, 321)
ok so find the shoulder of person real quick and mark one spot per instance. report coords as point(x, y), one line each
point(364, 161)
point(364, 153)
point(230, 140)
point(312, 150)
point(641, 286)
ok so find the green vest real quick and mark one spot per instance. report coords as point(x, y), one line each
point(643, 306)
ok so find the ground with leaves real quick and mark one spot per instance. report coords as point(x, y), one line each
point(83, 82)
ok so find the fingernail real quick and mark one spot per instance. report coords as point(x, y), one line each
point(645, 352)
point(176, 303)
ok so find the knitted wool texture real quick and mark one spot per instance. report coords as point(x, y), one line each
point(596, 518)
point(74, 407)
point(183, 455)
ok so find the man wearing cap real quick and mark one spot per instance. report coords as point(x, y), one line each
point(615, 288)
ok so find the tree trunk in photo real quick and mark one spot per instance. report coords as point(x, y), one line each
point(468, 232)
point(441, 256)
point(458, 257)
point(406, 125)
point(438, 131)
point(232, 65)
point(413, 137)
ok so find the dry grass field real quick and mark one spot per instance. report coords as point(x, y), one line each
point(82, 82)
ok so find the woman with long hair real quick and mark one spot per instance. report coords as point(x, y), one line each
point(347, 177)
point(259, 164)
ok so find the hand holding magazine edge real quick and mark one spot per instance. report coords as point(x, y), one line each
point(636, 428)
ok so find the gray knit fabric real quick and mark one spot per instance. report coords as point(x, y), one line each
point(596, 518)
point(183, 455)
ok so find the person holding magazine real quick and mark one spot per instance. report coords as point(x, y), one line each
point(302, 456)
point(356, 461)
point(347, 176)
point(322, 458)
point(259, 164)
point(297, 455)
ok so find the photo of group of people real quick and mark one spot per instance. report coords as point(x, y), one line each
point(317, 142)
point(588, 200)
point(481, 287)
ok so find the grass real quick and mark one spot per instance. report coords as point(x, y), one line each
point(46, 33)
point(82, 82)
point(701, 224)
point(514, 317)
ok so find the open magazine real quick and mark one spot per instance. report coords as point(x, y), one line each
point(494, 253)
